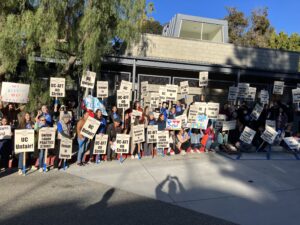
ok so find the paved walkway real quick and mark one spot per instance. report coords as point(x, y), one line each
point(244, 192)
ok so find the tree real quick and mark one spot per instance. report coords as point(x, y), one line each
point(283, 41)
point(69, 31)
point(260, 30)
point(152, 27)
point(237, 24)
point(66, 29)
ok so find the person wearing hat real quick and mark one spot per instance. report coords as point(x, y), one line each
point(63, 130)
point(112, 130)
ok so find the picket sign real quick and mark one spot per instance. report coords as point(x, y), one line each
point(233, 93)
point(100, 146)
point(88, 79)
point(90, 128)
point(171, 92)
point(292, 143)
point(138, 133)
point(123, 99)
point(152, 134)
point(257, 111)
point(203, 79)
point(229, 125)
point(122, 141)
point(102, 89)
point(14, 92)
point(269, 135)
point(278, 87)
point(184, 87)
point(296, 95)
point(5, 132)
point(57, 87)
point(144, 89)
point(271, 123)
point(65, 149)
point(247, 135)
point(163, 139)
point(212, 110)
point(243, 89)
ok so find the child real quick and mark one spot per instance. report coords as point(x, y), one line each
point(196, 135)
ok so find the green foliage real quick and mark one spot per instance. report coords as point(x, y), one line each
point(152, 27)
point(283, 41)
point(65, 29)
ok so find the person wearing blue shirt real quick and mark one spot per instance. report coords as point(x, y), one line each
point(164, 110)
point(45, 113)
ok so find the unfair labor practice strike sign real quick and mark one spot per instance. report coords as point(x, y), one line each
point(203, 79)
point(100, 144)
point(278, 87)
point(88, 79)
point(14, 92)
point(102, 89)
point(138, 133)
point(57, 87)
point(65, 148)
point(122, 141)
point(247, 135)
point(184, 87)
point(90, 128)
point(46, 138)
point(171, 91)
point(152, 134)
point(24, 140)
point(123, 99)
point(5, 132)
point(269, 135)
point(163, 139)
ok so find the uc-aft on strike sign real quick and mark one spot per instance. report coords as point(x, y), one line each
point(57, 87)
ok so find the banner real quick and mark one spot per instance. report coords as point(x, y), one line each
point(243, 89)
point(152, 134)
point(122, 141)
point(138, 133)
point(126, 86)
point(144, 89)
point(212, 110)
point(247, 135)
point(201, 122)
point(88, 79)
point(65, 148)
point(184, 120)
point(123, 99)
point(163, 139)
point(46, 138)
point(24, 140)
point(278, 87)
point(14, 92)
point(233, 93)
point(154, 100)
point(102, 89)
point(292, 143)
point(256, 111)
point(203, 79)
point(57, 87)
point(93, 103)
point(100, 144)
point(5, 132)
point(90, 128)
point(184, 87)
point(251, 95)
point(201, 106)
point(269, 135)
point(229, 125)
point(296, 95)
point(163, 93)
point(271, 123)
point(173, 124)
point(171, 91)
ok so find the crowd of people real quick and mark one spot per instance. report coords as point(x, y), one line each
point(182, 141)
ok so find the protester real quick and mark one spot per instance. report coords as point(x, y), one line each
point(161, 126)
point(11, 113)
point(149, 147)
point(25, 123)
point(112, 130)
point(209, 137)
point(82, 141)
point(45, 114)
point(182, 141)
point(114, 114)
point(5, 147)
point(196, 135)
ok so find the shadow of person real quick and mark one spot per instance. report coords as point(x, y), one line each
point(175, 187)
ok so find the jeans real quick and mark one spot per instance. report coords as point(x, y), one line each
point(41, 158)
point(82, 144)
point(208, 143)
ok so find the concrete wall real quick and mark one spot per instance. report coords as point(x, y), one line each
point(170, 48)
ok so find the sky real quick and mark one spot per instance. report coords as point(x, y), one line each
point(284, 15)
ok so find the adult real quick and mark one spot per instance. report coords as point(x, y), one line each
point(82, 141)
point(112, 130)
point(5, 146)
point(64, 130)
point(161, 126)
point(44, 113)
point(11, 113)
point(114, 114)
point(25, 123)
point(148, 147)
point(182, 141)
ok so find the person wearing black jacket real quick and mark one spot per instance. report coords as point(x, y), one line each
point(112, 130)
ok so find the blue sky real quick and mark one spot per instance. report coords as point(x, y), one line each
point(284, 15)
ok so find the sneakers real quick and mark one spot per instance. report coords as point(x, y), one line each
point(132, 156)
point(40, 170)
point(192, 151)
point(183, 153)
point(20, 172)
point(136, 156)
point(33, 168)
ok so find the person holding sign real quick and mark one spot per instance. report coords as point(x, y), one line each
point(82, 141)
point(63, 130)
point(38, 125)
point(25, 123)
point(5, 145)
point(148, 147)
point(11, 113)
point(112, 131)
point(114, 114)
point(209, 137)
point(44, 112)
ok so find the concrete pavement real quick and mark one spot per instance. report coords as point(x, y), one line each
point(244, 192)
